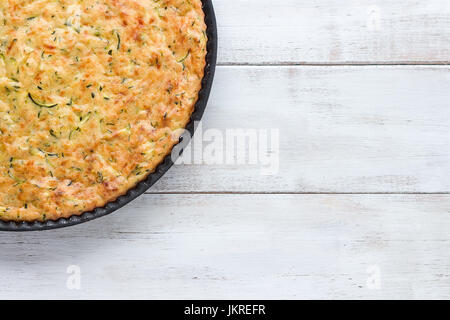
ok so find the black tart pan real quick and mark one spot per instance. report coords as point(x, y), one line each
point(162, 168)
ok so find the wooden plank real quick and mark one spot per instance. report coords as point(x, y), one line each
point(341, 129)
point(329, 31)
point(242, 246)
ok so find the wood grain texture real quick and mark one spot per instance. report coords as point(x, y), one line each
point(342, 129)
point(227, 231)
point(241, 246)
point(329, 31)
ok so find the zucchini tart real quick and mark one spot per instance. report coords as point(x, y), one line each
point(93, 94)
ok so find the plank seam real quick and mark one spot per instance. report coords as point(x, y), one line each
point(292, 193)
point(343, 64)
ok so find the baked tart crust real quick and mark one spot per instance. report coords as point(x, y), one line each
point(93, 95)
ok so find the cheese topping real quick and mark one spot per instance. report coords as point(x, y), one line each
point(92, 96)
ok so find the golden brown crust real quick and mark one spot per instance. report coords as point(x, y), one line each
point(92, 94)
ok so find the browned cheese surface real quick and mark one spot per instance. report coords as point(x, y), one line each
point(92, 97)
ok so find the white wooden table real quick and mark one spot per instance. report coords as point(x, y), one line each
point(360, 207)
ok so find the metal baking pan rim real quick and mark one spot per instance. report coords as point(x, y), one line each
point(162, 168)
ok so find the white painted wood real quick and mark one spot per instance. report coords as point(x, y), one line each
point(342, 129)
point(330, 31)
point(241, 246)
point(347, 129)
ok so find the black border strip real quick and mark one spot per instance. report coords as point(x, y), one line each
point(242, 309)
point(162, 168)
